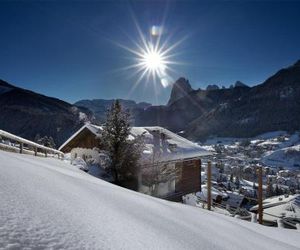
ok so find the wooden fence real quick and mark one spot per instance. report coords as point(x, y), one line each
point(13, 143)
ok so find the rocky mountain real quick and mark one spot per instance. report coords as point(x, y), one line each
point(100, 106)
point(26, 113)
point(181, 88)
point(240, 84)
point(239, 111)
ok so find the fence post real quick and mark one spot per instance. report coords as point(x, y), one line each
point(45, 153)
point(260, 196)
point(208, 185)
point(35, 151)
point(21, 147)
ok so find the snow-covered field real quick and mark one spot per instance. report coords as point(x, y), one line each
point(46, 203)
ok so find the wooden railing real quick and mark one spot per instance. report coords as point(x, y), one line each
point(10, 142)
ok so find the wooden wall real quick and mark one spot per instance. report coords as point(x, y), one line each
point(188, 180)
point(85, 139)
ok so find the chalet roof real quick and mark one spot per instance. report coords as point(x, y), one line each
point(160, 144)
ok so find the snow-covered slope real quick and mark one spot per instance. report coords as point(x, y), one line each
point(48, 204)
point(288, 157)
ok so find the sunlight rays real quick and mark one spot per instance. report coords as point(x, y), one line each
point(153, 57)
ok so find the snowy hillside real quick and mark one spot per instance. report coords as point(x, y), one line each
point(289, 157)
point(49, 204)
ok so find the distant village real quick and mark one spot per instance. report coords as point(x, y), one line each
point(240, 158)
point(234, 176)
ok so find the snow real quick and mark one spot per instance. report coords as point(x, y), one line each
point(49, 204)
point(82, 116)
point(281, 206)
point(288, 157)
point(80, 163)
point(182, 148)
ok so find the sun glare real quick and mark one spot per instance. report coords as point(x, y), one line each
point(153, 57)
point(153, 61)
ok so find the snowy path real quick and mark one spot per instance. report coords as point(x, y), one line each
point(47, 204)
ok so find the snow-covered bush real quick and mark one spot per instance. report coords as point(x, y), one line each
point(102, 159)
point(98, 165)
point(67, 157)
point(80, 163)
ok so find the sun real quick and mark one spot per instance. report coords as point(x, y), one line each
point(153, 57)
point(153, 60)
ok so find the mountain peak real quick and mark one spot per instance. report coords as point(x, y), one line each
point(5, 87)
point(297, 64)
point(180, 89)
point(5, 84)
point(240, 84)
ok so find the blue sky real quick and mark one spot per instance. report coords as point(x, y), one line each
point(68, 49)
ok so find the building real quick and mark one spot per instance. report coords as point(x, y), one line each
point(170, 165)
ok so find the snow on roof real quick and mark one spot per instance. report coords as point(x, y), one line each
point(166, 145)
point(49, 204)
point(93, 128)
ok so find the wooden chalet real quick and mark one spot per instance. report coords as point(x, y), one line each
point(175, 160)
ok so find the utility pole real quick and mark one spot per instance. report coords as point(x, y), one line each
point(260, 196)
point(208, 185)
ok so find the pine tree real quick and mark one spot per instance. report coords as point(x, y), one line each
point(50, 142)
point(46, 141)
point(124, 154)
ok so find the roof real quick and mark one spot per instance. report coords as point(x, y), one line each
point(281, 206)
point(164, 144)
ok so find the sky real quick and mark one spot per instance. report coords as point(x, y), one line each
point(77, 50)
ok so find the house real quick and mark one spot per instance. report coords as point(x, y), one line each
point(170, 165)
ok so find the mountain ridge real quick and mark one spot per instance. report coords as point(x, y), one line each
point(26, 113)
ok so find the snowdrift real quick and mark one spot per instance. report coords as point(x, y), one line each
point(48, 204)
